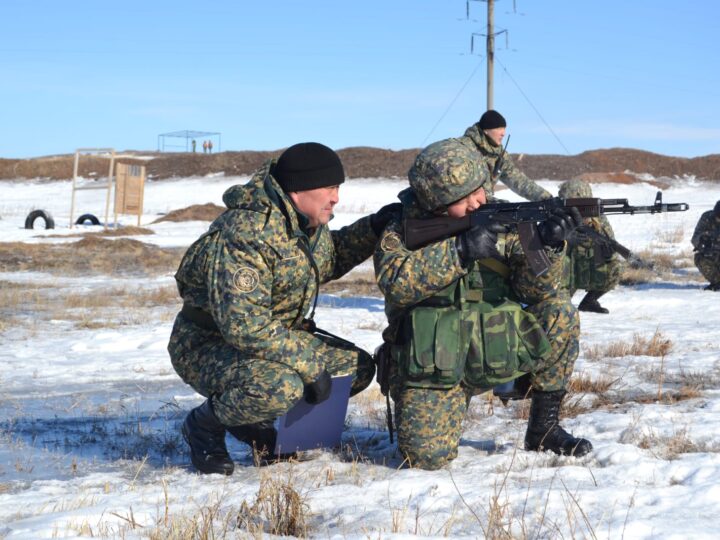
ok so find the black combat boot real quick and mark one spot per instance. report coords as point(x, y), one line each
point(590, 303)
point(544, 431)
point(261, 437)
point(206, 437)
point(713, 287)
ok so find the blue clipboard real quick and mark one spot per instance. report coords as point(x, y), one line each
point(306, 426)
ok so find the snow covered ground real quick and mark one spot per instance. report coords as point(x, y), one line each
point(89, 415)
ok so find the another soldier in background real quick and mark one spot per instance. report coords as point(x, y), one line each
point(456, 327)
point(241, 339)
point(706, 242)
point(486, 136)
point(595, 267)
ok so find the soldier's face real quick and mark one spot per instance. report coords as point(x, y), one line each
point(496, 135)
point(316, 204)
point(467, 204)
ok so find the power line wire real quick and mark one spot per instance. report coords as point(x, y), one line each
point(533, 106)
point(444, 114)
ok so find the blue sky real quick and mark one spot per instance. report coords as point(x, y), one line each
point(577, 75)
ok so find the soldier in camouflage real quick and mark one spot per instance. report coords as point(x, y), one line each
point(486, 136)
point(456, 325)
point(594, 266)
point(706, 244)
point(242, 339)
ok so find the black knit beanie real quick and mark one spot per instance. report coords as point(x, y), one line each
point(306, 166)
point(717, 209)
point(492, 119)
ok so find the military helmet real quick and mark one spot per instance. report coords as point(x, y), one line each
point(445, 172)
point(573, 189)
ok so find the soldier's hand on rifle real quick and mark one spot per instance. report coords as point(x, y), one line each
point(318, 390)
point(558, 227)
point(380, 219)
point(478, 242)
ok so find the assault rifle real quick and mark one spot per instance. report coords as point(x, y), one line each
point(525, 216)
point(609, 246)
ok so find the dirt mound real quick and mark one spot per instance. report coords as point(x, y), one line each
point(196, 212)
point(367, 162)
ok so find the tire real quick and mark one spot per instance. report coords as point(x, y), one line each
point(44, 215)
point(87, 217)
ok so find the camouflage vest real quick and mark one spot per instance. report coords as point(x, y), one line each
point(586, 272)
point(470, 332)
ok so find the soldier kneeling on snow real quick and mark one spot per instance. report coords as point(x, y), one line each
point(706, 243)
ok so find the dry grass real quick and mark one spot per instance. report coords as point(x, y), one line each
point(353, 284)
point(279, 509)
point(656, 345)
point(671, 446)
point(91, 255)
point(196, 212)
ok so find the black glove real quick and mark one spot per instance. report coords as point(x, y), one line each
point(318, 390)
point(380, 219)
point(558, 227)
point(479, 242)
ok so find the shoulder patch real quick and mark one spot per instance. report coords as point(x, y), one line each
point(246, 279)
point(391, 242)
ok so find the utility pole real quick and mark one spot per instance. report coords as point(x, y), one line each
point(489, 45)
point(490, 50)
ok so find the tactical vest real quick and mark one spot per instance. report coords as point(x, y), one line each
point(586, 272)
point(470, 332)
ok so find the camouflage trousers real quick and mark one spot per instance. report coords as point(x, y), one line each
point(709, 267)
point(561, 322)
point(251, 390)
point(429, 420)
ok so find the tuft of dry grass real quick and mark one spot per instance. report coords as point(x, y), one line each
point(279, 509)
point(656, 345)
point(91, 255)
point(196, 212)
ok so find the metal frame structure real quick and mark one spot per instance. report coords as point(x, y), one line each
point(104, 152)
point(188, 135)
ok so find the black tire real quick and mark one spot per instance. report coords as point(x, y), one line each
point(44, 215)
point(87, 217)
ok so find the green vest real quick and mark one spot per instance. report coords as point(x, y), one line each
point(591, 271)
point(471, 332)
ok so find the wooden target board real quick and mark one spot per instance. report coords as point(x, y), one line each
point(129, 189)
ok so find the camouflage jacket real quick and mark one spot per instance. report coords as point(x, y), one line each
point(257, 272)
point(706, 237)
point(509, 174)
point(594, 264)
point(406, 277)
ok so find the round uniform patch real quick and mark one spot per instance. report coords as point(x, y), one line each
point(391, 242)
point(246, 279)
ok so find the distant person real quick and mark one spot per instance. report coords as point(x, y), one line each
point(487, 136)
point(210, 145)
point(205, 147)
point(595, 267)
point(193, 143)
point(242, 338)
point(706, 244)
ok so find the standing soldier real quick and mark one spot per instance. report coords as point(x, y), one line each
point(486, 136)
point(205, 147)
point(594, 265)
point(210, 145)
point(706, 243)
point(456, 327)
point(242, 339)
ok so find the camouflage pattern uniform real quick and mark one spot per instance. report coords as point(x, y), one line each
point(438, 365)
point(508, 173)
point(706, 241)
point(587, 272)
point(256, 274)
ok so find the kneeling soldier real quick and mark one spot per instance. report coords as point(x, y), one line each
point(456, 327)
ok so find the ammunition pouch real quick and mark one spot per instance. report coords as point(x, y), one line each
point(472, 340)
point(591, 266)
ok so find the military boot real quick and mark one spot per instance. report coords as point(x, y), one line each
point(590, 303)
point(544, 431)
point(261, 437)
point(206, 437)
point(713, 287)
